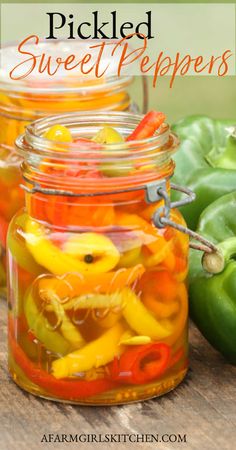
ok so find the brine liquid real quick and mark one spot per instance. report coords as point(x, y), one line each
point(90, 303)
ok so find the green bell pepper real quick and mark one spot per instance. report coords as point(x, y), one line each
point(212, 284)
point(205, 161)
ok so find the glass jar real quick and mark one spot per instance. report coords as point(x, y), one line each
point(34, 97)
point(97, 296)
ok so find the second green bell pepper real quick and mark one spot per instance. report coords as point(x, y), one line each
point(205, 161)
point(213, 295)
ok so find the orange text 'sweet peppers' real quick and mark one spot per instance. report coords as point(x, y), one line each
point(98, 301)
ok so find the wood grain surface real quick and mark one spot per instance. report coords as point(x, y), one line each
point(203, 408)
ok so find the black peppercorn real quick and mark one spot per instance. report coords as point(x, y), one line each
point(88, 259)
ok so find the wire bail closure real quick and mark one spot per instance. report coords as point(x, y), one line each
point(161, 217)
point(153, 192)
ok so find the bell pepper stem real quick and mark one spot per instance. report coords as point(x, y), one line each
point(215, 262)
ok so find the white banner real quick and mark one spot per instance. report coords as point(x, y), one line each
point(150, 39)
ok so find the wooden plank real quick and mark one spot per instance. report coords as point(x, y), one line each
point(202, 407)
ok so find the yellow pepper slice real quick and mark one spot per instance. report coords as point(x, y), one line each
point(135, 340)
point(67, 328)
point(94, 250)
point(95, 354)
point(164, 252)
point(94, 253)
point(141, 320)
point(90, 301)
point(132, 255)
point(176, 311)
point(144, 323)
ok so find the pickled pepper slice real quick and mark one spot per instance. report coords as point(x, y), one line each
point(3, 231)
point(95, 354)
point(141, 364)
point(147, 127)
point(64, 389)
point(141, 320)
point(72, 285)
point(105, 255)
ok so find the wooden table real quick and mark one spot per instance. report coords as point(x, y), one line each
point(203, 408)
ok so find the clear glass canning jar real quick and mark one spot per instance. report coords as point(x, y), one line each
point(29, 99)
point(97, 296)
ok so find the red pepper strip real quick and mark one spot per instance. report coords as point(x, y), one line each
point(86, 144)
point(65, 389)
point(88, 149)
point(37, 204)
point(141, 364)
point(3, 231)
point(148, 125)
point(57, 210)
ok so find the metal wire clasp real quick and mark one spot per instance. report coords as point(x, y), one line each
point(161, 217)
point(154, 192)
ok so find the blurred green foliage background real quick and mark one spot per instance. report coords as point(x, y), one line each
point(211, 96)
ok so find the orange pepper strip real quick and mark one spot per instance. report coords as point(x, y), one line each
point(166, 298)
point(3, 231)
point(162, 310)
point(158, 283)
point(71, 285)
point(176, 258)
point(181, 269)
point(181, 240)
point(153, 240)
point(181, 316)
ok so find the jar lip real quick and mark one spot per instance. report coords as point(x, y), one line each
point(56, 84)
point(33, 141)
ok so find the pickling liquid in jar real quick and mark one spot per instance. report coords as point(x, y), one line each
point(34, 97)
point(98, 302)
